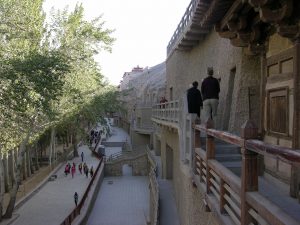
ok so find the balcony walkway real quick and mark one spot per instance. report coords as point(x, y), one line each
point(275, 191)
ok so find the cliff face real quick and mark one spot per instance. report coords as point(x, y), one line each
point(143, 88)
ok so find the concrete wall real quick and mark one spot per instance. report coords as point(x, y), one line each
point(185, 67)
point(139, 139)
point(189, 200)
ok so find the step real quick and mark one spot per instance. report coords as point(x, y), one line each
point(227, 149)
point(234, 166)
point(228, 157)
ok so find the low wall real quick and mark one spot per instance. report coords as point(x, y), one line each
point(113, 144)
point(139, 164)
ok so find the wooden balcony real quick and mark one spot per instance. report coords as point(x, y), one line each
point(242, 197)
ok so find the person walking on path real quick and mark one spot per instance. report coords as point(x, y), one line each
point(92, 171)
point(67, 170)
point(86, 171)
point(210, 90)
point(76, 198)
point(82, 156)
point(73, 170)
point(80, 168)
point(194, 99)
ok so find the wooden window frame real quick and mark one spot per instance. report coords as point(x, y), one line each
point(272, 93)
point(278, 59)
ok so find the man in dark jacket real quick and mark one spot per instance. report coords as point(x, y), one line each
point(210, 89)
point(194, 99)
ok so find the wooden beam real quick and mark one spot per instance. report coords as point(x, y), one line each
point(237, 42)
point(268, 15)
point(236, 6)
point(288, 31)
point(189, 42)
point(258, 3)
point(227, 34)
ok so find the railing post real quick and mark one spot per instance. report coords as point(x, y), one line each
point(210, 153)
point(196, 145)
point(249, 175)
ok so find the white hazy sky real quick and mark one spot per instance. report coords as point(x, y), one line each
point(143, 29)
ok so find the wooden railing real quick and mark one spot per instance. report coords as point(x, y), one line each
point(184, 22)
point(76, 211)
point(168, 111)
point(236, 200)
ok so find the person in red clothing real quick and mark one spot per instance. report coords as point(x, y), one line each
point(162, 101)
point(73, 170)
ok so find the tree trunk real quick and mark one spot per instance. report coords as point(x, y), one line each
point(67, 138)
point(28, 162)
point(17, 177)
point(2, 187)
point(52, 145)
point(31, 167)
point(75, 150)
point(24, 163)
point(6, 172)
point(37, 165)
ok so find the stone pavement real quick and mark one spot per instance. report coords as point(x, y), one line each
point(54, 201)
point(118, 135)
point(121, 201)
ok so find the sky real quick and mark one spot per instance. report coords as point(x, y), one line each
point(143, 29)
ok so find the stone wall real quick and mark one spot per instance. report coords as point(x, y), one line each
point(184, 67)
point(139, 164)
point(189, 199)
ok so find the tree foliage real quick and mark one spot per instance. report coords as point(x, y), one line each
point(48, 75)
point(48, 72)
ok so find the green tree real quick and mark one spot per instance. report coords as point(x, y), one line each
point(47, 75)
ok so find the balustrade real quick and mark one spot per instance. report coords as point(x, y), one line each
point(184, 22)
point(168, 111)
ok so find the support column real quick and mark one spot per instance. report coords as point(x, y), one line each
point(210, 153)
point(261, 128)
point(295, 173)
point(249, 177)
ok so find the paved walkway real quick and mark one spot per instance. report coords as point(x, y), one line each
point(121, 201)
point(54, 201)
point(118, 135)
